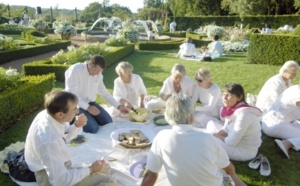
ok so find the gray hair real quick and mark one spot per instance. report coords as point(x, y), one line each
point(178, 69)
point(178, 110)
point(288, 66)
point(124, 67)
point(203, 74)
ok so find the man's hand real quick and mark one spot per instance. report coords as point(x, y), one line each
point(93, 110)
point(99, 166)
point(80, 120)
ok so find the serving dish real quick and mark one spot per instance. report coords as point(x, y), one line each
point(147, 133)
point(160, 121)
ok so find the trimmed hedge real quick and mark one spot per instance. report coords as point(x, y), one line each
point(175, 34)
point(259, 21)
point(159, 45)
point(168, 45)
point(11, 55)
point(45, 66)
point(30, 35)
point(24, 99)
point(273, 49)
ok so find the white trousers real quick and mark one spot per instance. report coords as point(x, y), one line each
point(288, 131)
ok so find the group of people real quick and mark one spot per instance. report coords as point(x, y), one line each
point(232, 127)
point(212, 51)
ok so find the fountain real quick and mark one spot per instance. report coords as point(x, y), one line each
point(111, 27)
point(114, 24)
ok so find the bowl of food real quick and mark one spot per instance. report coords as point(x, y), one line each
point(139, 115)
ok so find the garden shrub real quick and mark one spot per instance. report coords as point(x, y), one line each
point(159, 45)
point(47, 66)
point(273, 49)
point(24, 98)
point(7, 56)
point(256, 21)
point(297, 30)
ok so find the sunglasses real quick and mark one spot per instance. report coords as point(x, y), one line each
point(199, 80)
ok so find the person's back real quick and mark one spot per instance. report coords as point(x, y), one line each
point(190, 157)
point(270, 91)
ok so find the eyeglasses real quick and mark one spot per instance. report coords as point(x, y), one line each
point(199, 80)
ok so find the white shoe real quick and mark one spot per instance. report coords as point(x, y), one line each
point(265, 168)
point(282, 147)
point(254, 164)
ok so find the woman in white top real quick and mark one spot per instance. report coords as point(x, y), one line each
point(129, 88)
point(187, 49)
point(177, 83)
point(276, 85)
point(210, 96)
point(241, 134)
point(282, 119)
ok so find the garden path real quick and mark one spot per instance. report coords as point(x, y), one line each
point(17, 64)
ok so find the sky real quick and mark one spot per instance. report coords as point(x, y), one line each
point(133, 5)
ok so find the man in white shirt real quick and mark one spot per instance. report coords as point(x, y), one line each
point(85, 80)
point(190, 157)
point(173, 27)
point(46, 151)
point(215, 48)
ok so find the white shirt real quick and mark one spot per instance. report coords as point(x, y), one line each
point(187, 49)
point(284, 109)
point(211, 99)
point(187, 86)
point(244, 133)
point(46, 149)
point(173, 24)
point(86, 87)
point(189, 157)
point(129, 91)
point(215, 48)
point(270, 91)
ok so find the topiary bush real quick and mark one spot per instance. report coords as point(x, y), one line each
point(273, 49)
point(297, 30)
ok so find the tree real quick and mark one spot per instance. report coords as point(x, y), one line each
point(92, 12)
point(244, 7)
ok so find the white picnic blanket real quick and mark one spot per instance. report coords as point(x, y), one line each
point(100, 145)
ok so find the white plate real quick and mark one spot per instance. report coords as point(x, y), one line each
point(146, 131)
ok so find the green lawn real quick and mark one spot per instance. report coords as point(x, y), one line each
point(155, 66)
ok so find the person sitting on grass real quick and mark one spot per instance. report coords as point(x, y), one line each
point(240, 135)
point(277, 84)
point(190, 157)
point(129, 88)
point(187, 49)
point(210, 96)
point(177, 84)
point(46, 150)
point(85, 80)
point(214, 49)
point(282, 120)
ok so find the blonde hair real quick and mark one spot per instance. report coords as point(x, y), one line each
point(178, 69)
point(204, 74)
point(124, 67)
point(289, 66)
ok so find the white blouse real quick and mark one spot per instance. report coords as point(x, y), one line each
point(130, 92)
point(187, 86)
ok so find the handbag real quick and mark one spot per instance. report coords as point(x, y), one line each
point(18, 168)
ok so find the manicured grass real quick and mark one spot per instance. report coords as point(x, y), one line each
point(155, 66)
